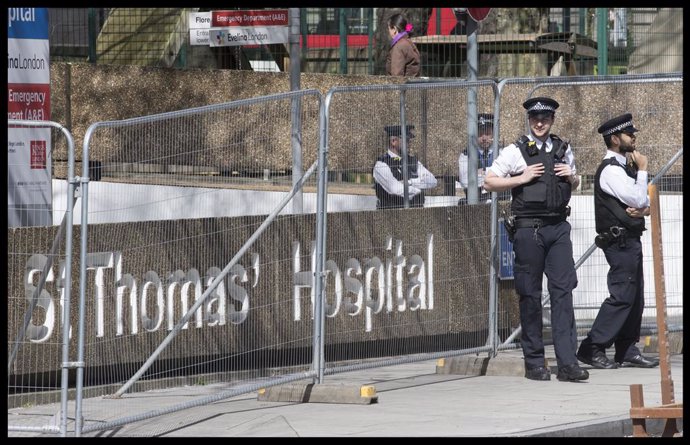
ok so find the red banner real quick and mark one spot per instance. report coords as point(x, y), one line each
point(28, 101)
point(269, 17)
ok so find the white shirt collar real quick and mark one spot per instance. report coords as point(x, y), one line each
point(619, 157)
point(539, 143)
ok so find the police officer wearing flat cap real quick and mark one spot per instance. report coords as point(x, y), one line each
point(620, 205)
point(485, 156)
point(539, 169)
point(389, 174)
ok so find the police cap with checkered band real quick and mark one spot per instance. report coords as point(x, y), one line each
point(485, 120)
point(540, 105)
point(395, 130)
point(619, 124)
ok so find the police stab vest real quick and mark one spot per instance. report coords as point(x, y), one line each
point(609, 211)
point(388, 201)
point(547, 195)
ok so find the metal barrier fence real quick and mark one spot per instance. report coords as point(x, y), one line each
point(249, 324)
point(37, 318)
point(440, 110)
point(641, 96)
point(423, 292)
point(331, 285)
point(512, 42)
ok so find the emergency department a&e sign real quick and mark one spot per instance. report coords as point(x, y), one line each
point(255, 27)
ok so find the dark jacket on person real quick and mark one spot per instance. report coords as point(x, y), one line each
point(403, 59)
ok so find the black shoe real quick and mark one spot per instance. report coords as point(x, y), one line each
point(539, 373)
point(597, 360)
point(572, 373)
point(639, 361)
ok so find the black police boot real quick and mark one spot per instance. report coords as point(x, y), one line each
point(539, 373)
point(572, 373)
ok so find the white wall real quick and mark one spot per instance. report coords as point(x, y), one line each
point(114, 202)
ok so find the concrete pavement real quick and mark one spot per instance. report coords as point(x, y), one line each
point(411, 400)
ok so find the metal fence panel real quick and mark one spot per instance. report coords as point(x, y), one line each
point(599, 99)
point(39, 271)
point(417, 285)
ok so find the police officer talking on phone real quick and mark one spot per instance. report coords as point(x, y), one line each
point(620, 205)
point(539, 169)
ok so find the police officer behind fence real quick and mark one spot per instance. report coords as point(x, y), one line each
point(620, 205)
point(388, 173)
point(485, 156)
point(539, 169)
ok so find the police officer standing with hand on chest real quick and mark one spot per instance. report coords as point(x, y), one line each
point(539, 169)
point(620, 205)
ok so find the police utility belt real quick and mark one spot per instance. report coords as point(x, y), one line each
point(513, 223)
point(614, 234)
point(535, 223)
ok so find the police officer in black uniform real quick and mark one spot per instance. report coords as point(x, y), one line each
point(620, 205)
point(539, 169)
point(389, 177)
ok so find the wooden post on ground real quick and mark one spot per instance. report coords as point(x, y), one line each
point(639, 425)
point(668, 410)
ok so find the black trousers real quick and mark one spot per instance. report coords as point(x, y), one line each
point(619, 319)
point(538, 252)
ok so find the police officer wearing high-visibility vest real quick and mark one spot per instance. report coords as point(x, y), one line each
point(620, 205)
point(389, 177)
point(539, 169)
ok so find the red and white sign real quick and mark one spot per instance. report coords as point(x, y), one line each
point(38, 154)
point(29, 169)
point(275, 17)
point(255, 27)
point(28, 101)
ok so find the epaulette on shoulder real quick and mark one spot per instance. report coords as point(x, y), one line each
point(613, 161)
point(561, 145)
point(522, 140)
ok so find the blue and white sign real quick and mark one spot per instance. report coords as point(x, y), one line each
point(506, 254)
point(27, 23)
